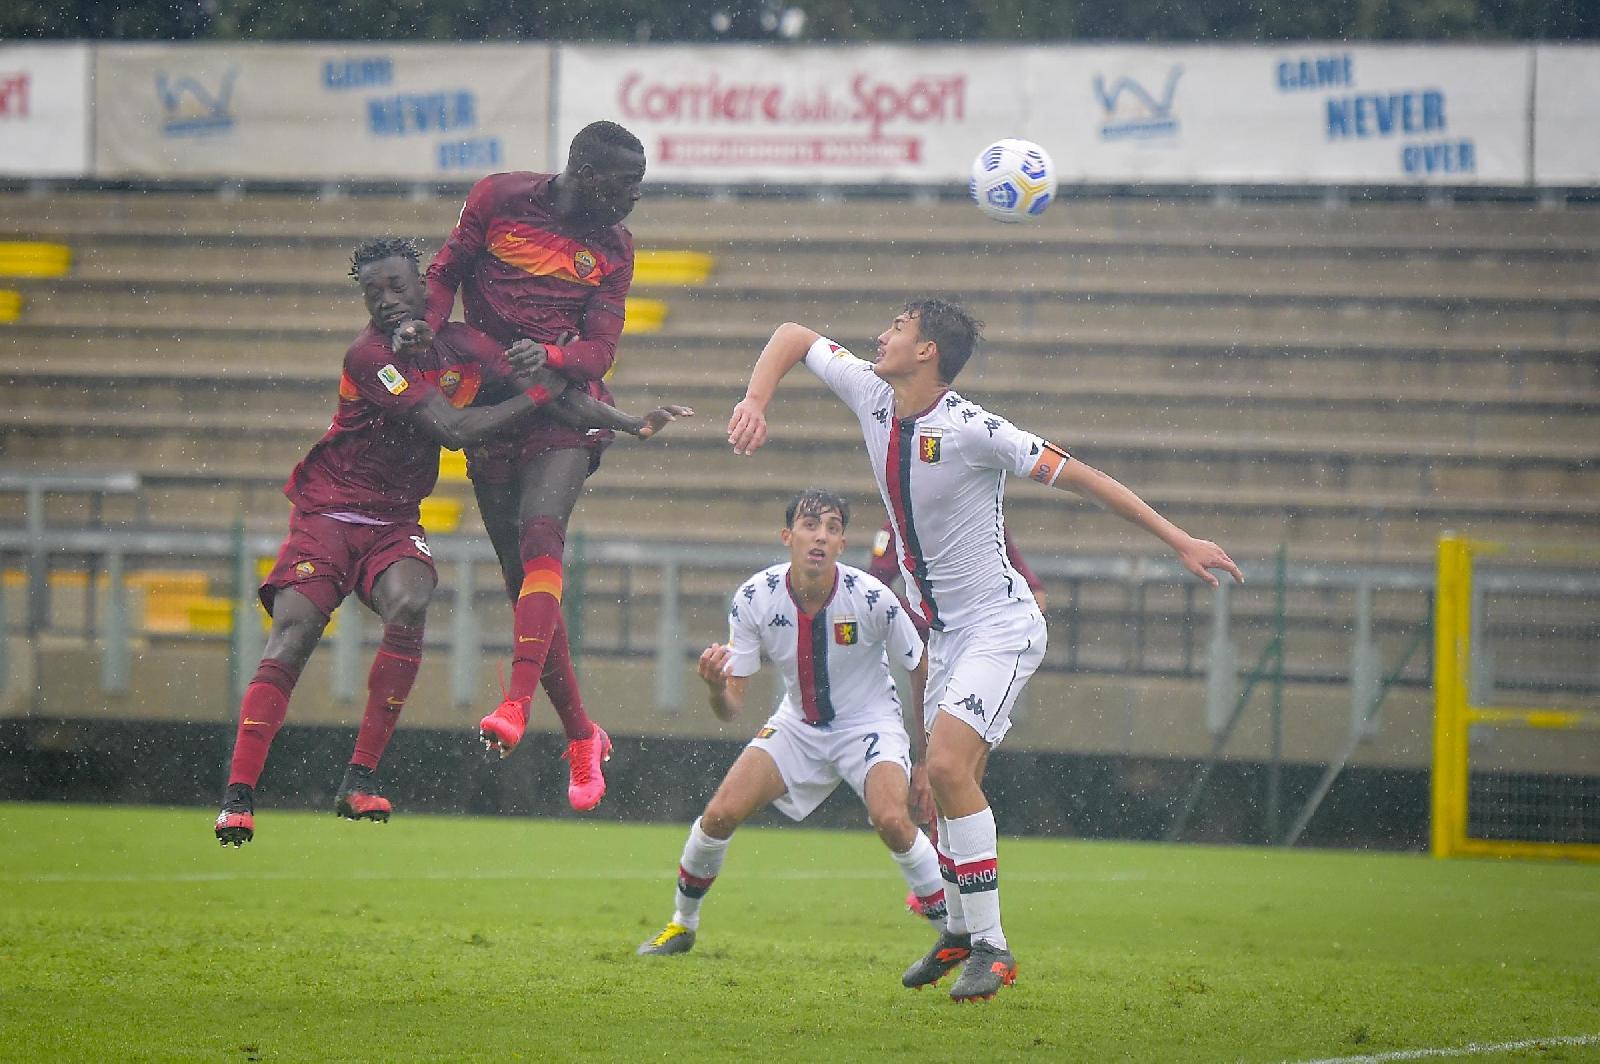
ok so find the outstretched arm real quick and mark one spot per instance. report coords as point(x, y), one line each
point(1199, 556)
point(577, 409)
point(456, 427)
point(747, 428)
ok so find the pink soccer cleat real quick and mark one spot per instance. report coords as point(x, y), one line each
point(502, 730)
point(587, 784)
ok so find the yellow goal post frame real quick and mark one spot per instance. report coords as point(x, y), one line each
point(1455, 715)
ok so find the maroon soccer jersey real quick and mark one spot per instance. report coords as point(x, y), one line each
point(524, 275)
point(373, 460)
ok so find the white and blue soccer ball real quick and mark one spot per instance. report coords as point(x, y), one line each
point(1013, 180)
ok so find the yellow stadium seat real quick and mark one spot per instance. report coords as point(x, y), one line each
point(672, 267)
point(645, 316)
point(441, 513)
point(210, 615)
point(34, 259)
point(452, 467)
point(10, 305)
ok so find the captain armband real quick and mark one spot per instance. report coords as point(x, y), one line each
point(1051, 461)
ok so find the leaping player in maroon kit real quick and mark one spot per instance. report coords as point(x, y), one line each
point(355, 526)
point(544, 257)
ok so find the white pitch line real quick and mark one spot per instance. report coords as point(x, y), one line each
point(612, 874)
point(1471, 1049)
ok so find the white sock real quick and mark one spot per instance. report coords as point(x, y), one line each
point(972, 844)
point(697, 868)
point(920, 867)
point(955, 916)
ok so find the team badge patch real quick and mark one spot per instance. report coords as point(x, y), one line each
point(305, 568)
point(928, 446)
point(846, 632)
point(583, 263)
point(766, 733)
point(393, 380)
point(449, 380)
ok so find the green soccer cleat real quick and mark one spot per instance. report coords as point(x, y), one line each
point(674, 938)
point(987, 970)
point(946, 953)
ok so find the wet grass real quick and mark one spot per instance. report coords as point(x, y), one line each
point(126, 934)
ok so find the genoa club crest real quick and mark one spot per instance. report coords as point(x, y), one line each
point(846, 632)
point(928, 446)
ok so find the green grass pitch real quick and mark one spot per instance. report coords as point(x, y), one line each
point(127, 934)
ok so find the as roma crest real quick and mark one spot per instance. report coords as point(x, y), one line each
point(846, 632)
point(928, 446)
point(583, 262)
point(449, 380)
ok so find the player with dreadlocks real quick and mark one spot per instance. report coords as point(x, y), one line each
point(354, 527)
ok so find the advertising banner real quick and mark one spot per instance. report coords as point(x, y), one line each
point(741, 113)
point(363, 110)
point(1566, 136)
point(1294, 114)
point(44, 110)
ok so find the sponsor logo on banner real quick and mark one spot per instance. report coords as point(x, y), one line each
point(756, 122)
point(1417, 119)
point(1133, 111)
point(357, 72)
point(192, 108)
point(14, 94)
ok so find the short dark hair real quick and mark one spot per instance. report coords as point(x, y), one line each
point(379, 248)
point(593, 140)
point(953, 329)
point(813, 502)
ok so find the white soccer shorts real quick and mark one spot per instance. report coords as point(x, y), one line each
point(976, 672)
point(813, 759)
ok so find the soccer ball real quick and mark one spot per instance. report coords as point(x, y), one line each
point(1013, 180)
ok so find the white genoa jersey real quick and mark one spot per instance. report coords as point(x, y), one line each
point(835, 665)
point(942, 475)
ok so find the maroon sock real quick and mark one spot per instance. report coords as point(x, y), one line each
point(561, 684)
point(538, 605)
point(261, 713)
point(394, 670)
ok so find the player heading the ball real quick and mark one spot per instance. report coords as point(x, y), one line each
point(941, 463)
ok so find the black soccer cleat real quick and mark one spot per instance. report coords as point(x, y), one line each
point(946, 953)
point(358, 797)
point(236, 823)
point(986, 970)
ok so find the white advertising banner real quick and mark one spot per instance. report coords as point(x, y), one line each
point(1294, 114)
point(1566, 136)
point(368, 110)
point(44, 110)
point(739, 113)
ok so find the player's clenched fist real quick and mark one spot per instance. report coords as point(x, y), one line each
point(714, 663)
point(412, 338)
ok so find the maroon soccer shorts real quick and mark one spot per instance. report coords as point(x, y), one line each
point(325, 560)
point(499, 461)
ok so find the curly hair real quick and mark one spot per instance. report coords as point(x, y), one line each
point(380, 248)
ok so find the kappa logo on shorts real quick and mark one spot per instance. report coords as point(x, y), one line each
point(583, 263)
point(305, 568)
point(766, 733)
point(974, 705)
point(393, 380)
point(928, 446)
point(846, 632)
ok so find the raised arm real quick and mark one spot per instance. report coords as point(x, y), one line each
point(456, 427)
point(747, 428)
point(460, 252)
